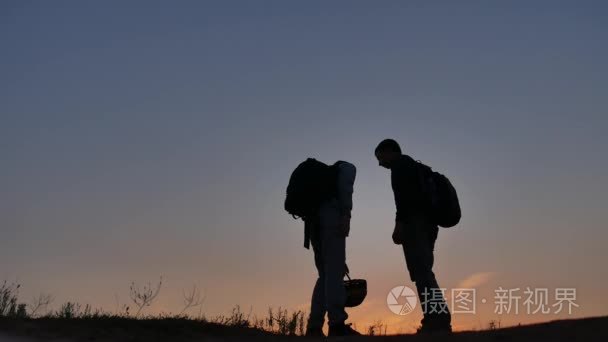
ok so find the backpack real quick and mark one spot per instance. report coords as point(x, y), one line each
point(310, 184)
point(440, 196)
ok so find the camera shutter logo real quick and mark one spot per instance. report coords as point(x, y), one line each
point(408, 300)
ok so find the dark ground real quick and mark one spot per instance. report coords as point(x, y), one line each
point(170, 329)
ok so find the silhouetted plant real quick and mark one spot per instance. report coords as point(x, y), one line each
point(144, 297)
point(238, 318)
point(21, 311)
point(301, 326)
point(294, 322)
point(71, 310)
point(281, 322)
point(121, 310)
point(8, 300)
point(192, 299)
point(68, 310)
point(42, 301)
point(494, 324)
point(270, 320)
point(377, 328)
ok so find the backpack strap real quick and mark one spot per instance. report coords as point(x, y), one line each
point(311, 229)
point(307, 232)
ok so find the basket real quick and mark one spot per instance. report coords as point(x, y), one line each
point(356, 290)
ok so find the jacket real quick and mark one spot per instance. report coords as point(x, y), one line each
point(407, 188)
point(345, 181)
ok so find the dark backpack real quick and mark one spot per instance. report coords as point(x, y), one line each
point(310, 184)
point(441, 197)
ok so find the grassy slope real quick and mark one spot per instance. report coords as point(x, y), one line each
point(151, 330)
point(122, 329)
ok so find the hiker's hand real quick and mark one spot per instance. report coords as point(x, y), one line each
point(344, 227)
point(398, 233)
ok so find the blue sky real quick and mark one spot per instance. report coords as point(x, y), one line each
point(149, 138)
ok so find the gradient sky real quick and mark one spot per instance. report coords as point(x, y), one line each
point(140, 139)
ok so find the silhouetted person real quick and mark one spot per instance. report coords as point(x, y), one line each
point(416, 230)
point(328, 237)
point(322, 196)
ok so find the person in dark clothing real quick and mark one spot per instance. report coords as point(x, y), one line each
point(327, 233)
point(417, 232)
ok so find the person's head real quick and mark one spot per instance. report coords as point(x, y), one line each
point(387, 152)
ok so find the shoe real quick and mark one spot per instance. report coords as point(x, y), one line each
point(435, 324)
point(342, 330)
point(435, 327)
point(314, 332)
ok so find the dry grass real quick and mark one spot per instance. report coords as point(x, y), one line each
point(75, 322)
